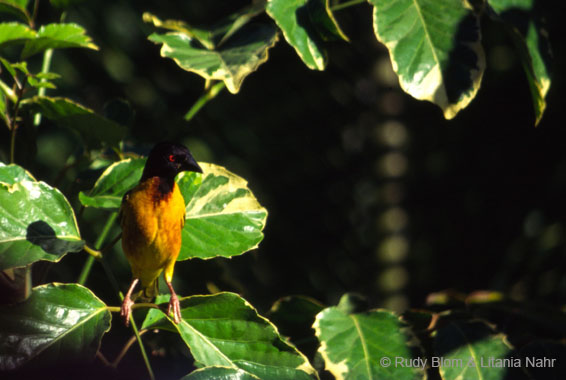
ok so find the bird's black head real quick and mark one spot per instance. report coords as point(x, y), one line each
point(167, 159)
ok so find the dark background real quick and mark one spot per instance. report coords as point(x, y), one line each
point(368, 190)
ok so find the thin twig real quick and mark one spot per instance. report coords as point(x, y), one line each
point(103, 359)
point(125, 349)
point(347, 4)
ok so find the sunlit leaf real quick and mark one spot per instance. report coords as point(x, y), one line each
point(220, 373)
point(58, 322)
point(93, 128)
point(466, 350)
point(223, 217)
point(232, 62)
point(532, 44)
point(203, 36)
point(224, 330)
point(37, 83)
point(354, 345)
point(36, 222)
point(12, 173)
point(435, 49)
point(114, 182)
point(216, 34)
point(57, 36)
point(15, 32)
point(19, 3)
point(292, 16)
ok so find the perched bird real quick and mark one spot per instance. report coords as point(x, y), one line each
point(152, 216)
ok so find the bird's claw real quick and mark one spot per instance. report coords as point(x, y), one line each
point(126, 310)
point(174, 304)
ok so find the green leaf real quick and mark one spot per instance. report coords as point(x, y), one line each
point(466, 349)
point(294, 317)
point(223, 218)
point(10, 174)
point(435, 49)
point(222, 373)
point(9, 67)
point(294, 314)
point(324, 22)
point(292, 16)
point(47, 230)
point(57, 322)
point(16, 8)
point(93, 128)
point(224, 330)
point(215, 35)
point(37, 83)
point(364, 345)
point(227, 27)
point(15, 32)
point(19, 3)
point(57, 36)
point(201, 35)
point(47, 75)
point(232, 62)
point(532, 45)
point(114, 182)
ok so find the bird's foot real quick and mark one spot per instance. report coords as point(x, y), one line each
point(126, 309)
point(176, 307)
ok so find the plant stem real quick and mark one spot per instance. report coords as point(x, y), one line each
point(210, 94)
point(96, 254)
point(14, 126)
point(125, 349)
point(347, 4)
point(141, 305)
point(13, 143)
point(8, 91)
point(114, 283)
point(142, 349)
point(47, 56)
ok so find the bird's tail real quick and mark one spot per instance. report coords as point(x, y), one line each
point(149, 292)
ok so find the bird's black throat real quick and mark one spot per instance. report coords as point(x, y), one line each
point(165, 186)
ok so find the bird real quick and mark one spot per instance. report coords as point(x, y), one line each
point(152, 216)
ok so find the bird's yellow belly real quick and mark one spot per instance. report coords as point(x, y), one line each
point(151, 233)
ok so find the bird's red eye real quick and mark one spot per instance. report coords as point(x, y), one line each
point(171, 158)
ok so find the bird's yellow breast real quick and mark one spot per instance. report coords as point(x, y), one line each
point(151, 229)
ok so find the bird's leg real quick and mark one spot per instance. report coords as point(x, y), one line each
point(174, 304)
point(126, 309)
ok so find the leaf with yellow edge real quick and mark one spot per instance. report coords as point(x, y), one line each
point(364, 345)
point(223, 217)
point(224, 330)
point(435, 49)
point(58, 36)
point(531, 42)
point(47, 230)
point(230, 62)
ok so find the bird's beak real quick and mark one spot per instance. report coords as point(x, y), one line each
point(191, 165)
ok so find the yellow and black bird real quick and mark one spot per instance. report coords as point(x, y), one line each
point(152, 216)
